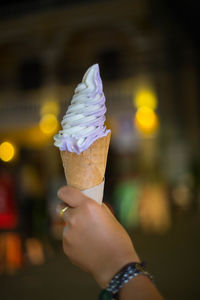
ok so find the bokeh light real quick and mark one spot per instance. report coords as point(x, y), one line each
point(145, 98)
point(50, 107)
point(7, 151)
point(49, 124)
point(146, 120)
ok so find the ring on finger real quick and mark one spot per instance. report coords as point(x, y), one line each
point(63, 210)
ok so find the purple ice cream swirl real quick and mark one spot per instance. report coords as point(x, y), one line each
point(84, 120)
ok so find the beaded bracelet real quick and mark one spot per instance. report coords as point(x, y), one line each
point(128, 272)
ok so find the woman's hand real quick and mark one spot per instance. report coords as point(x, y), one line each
point(92, 238)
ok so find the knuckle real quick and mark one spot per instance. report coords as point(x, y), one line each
point(65, 237)
point(89, 206)
point(72, 221)
point(91, 209)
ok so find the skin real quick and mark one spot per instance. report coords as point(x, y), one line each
point(96, 242)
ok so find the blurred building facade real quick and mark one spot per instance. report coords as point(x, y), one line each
point(43, 51)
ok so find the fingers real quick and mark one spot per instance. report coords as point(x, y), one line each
point(61, 209)
point(71, 196)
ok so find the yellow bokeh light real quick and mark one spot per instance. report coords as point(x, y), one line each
point(50, 107)
point(7, 151)
point(145, 98)
point(49, 124)
point(146, 120)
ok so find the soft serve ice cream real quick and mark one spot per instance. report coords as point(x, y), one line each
point(84, 120)
point(84, 140)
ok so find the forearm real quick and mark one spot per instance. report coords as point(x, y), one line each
point(139, 288)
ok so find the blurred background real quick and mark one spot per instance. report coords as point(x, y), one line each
point(148, 52)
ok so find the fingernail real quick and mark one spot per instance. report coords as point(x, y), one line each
point(59, 192)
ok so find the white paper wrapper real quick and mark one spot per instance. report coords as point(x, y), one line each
point(96, 192)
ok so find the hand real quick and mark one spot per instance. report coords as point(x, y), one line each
point(93, 239)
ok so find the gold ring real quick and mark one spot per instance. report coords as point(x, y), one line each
point(63, 210)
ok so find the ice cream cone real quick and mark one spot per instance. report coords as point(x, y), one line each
point(87, 169)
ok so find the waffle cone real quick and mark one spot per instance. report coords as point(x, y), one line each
point(87, 169)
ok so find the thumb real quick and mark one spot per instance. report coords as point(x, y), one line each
point(71, 196)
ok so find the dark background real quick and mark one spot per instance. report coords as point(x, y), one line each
point(153, 173)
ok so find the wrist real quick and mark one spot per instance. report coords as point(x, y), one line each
point(112, 266)
point(123, 277)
